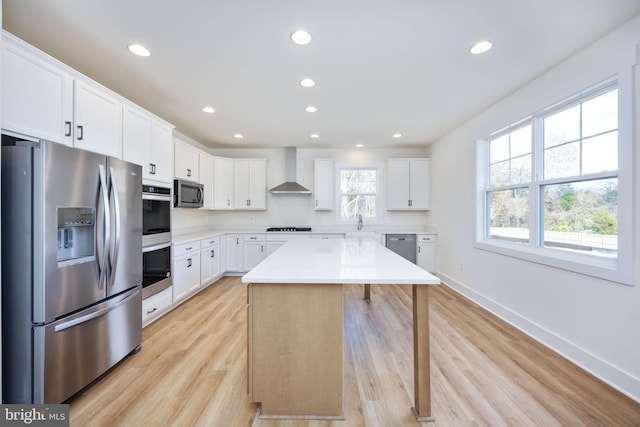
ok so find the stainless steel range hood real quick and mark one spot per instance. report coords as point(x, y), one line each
point(290, 186)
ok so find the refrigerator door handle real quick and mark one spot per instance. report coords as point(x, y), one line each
point(113, 253)
point(102, 249)
point(93, 315)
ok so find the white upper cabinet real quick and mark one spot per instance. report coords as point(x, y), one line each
point(222, 183)
point(186, 161)
point(97, 119)
point(147, 142)
point(161, 152)
point(323, 184)
point(409, 184)
point(249, 176)
point(205, 166)
point(37, 93)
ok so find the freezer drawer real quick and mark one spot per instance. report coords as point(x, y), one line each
point(72, 352)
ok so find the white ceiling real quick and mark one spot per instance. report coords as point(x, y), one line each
point(381, 66)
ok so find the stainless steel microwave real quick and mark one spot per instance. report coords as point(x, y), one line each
point(188, 194)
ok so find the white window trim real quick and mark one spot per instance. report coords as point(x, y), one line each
point(618, 270)
point(379, 199)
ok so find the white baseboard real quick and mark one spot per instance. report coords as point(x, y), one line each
point(615, 377)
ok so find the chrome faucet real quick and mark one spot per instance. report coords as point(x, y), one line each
point(359, 222)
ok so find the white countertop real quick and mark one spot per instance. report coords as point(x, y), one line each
point(348, 261)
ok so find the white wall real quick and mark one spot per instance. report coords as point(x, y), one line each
point(593, 322)
point(297, 210)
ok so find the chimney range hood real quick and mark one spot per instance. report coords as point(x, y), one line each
point(290, 187)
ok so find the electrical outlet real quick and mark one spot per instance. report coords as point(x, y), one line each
point(461, 267)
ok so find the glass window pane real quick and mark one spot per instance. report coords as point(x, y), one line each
point(521, 141)
point(600, 153)
point(562, 161)
point(582, 216)
point(562, 127)
point(521, 169)
point(499, 149)
point(509, 215)
point(499, 174)
point(600, 114)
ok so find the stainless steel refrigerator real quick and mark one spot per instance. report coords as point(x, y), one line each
point(71, 268)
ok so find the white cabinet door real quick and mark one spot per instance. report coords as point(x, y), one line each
point(323, 184)
point(97, 119)
point(186, 161)
point(398, 184)
point(37, 94)
point(222, 183)
point(205, 166)
point(147, 142)
point(420, 184)
point(253, 254)
point(209, 264)
point(186, 275)
point(161, 152)
point(408, 184)
point(249, 182)
point(156, 305)
point(426, 254)
point(233, 252)
point(136, 138)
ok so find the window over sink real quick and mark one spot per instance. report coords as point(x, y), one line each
point(358, 194)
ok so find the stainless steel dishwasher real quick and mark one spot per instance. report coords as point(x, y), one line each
point(403, 244)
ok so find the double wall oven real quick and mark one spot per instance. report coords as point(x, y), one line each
point(156, 239)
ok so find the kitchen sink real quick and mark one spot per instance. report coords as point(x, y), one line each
point(362, 235)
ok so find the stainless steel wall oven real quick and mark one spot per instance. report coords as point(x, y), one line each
point(156, 239)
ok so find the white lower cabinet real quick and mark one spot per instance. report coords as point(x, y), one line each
point(253, 250)
point(156, 305)
point(185, 265)
point(233, 252)
point(209, 260)
point(426, 252)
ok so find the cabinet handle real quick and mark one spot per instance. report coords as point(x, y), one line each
point(261, 248)
point(189, 262)
point(80, 133)
point(213, 254)
point(316, 203)
point(228, 202)
point(419, 249)
point(237, 240)
point(189, 248)
point(188, 172)
point(151, 311)
point(248, 202)
point(67, 128)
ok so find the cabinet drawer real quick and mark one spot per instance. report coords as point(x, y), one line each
point(254, 238)
point(185, 248)
point(156, 304)
point(426, 238)
point(209, 241)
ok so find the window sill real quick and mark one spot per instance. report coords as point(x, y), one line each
point(602, 268)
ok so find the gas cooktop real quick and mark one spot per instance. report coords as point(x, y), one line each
point(289, 229)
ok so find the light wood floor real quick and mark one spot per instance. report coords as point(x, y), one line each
point(192, 370)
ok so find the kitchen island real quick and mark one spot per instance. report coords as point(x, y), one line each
point(295, 324)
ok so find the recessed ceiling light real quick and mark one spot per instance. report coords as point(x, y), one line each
point(481, 47)
point(359, 145)
point(300, 37)
point(139, 50)
point(209, 110)
point(397, 135)
point(238, 136)
point(314, 136)
point(311, 109)
point(307, 82)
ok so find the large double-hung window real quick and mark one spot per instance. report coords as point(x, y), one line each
point(549, 186)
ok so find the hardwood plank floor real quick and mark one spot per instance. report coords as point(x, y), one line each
point(192, 370)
